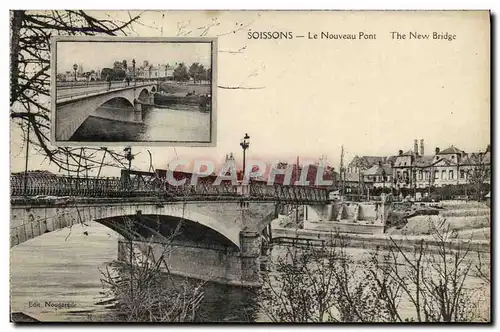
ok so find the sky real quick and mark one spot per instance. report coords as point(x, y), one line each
point(307, 98)
point(98, 55)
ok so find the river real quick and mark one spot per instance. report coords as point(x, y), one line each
point(175, 123)
point(63, 267)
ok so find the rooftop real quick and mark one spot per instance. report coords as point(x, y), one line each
point(451, 150)
point(366, 162)
point(379, 170)
point(423, 161)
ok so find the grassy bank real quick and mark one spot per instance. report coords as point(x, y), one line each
point(462, 217)
point(183, 89)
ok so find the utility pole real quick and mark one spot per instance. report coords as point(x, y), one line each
point(431, 174)
point(342, 173)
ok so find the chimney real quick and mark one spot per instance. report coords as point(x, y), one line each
point(400, 152)
point(437, 150)
point(415, 146)
point(421, 147)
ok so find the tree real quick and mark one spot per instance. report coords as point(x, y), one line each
point(105, 73)
point(31, 33)
point(300, 289)
point(197, 72)
point(181, 73)
point(141, 284)
point(478, 172)
point(322, 282)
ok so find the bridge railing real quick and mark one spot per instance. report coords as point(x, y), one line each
point(162, 186)
point(51, 185)
point(80, 84)
point(289, 193)
point(64, 186)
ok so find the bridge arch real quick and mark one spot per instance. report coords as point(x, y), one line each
point(117, 102)
point(176, 211)
point(203, 230)
point(143, 95)
point(34, 221)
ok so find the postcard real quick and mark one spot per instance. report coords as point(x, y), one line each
point(250, 166)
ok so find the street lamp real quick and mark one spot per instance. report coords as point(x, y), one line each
point(128, 156)
point(133, 70)
point(245, 143)
point(75, 67)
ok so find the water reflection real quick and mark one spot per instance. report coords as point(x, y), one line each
point(175, 123)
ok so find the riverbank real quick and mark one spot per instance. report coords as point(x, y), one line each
point(162, 99)
point(459, 216)
point(371, 242)
point(182, 89)
point(185, 94)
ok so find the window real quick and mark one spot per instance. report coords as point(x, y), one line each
point(405, 163)
point(420, 175)
point(452, 157)
point(443, 175)
point(426, 175)
point(436, 175)
point(462, 174)
point(450, 175)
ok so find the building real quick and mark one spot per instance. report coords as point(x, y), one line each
point(451, 166)
point(378, 176)
point(414, 169)
point(149, 71)
point(355, 177)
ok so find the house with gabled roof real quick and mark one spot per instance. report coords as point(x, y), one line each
point(378, 176)
point(354, 177)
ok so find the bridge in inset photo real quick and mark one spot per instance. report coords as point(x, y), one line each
point(115, 101)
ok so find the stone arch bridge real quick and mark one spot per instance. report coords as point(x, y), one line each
point(217, 229)
point(74, 106)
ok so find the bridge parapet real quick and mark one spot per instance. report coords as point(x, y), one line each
point(52, 185)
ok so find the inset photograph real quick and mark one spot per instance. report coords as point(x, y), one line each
point(133, 91)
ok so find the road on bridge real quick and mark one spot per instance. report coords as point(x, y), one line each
point(73, 91)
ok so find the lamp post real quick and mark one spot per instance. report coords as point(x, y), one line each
point(129, 156)
point(245, 143)
point(75, 67)
point(133, 70)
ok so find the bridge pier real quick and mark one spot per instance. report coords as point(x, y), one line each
point(137, 111)
point(250, 253)
point(151, 99)
point(231, 267)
